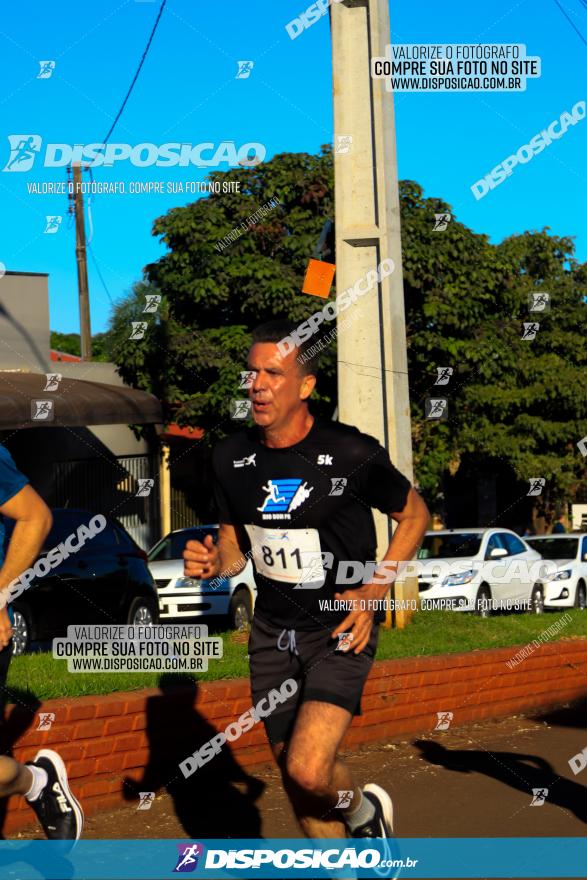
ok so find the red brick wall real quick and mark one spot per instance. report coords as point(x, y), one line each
point(105, 740)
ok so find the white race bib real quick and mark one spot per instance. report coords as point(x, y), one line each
point(289, 555)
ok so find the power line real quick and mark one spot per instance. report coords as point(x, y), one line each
point(572, 23)
point(119, 114)
point(96, 266)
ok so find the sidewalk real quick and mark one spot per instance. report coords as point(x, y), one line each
point(473, 781)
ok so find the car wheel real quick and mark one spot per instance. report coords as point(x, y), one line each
point(141, 612)
point(21, 632)
point(240, 610)
point(581, 596)
point(537, 599)
point(483, 602)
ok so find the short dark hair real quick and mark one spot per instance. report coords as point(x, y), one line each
point(275, 331)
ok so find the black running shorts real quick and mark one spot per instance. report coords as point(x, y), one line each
point(310, 658)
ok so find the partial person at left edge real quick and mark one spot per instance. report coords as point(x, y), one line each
point(43, 781)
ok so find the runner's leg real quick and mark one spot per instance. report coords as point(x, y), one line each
point(312, 774)
point(15, 778)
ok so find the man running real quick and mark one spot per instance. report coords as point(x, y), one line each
point(296, 629)
point(42, 781)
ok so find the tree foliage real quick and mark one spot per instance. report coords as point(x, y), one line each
point(69, 343)
point(521, 402)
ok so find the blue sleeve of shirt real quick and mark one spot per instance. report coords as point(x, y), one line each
point(11, 479)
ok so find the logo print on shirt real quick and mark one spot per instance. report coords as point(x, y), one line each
point(243, 462)
point(282, 497)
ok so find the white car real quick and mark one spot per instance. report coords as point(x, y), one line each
point(566, 588)
point(181, 596)
point(479, 570)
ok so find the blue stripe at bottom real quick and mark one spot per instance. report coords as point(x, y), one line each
point(516, 857)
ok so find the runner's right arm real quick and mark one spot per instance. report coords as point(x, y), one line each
point(226, 558)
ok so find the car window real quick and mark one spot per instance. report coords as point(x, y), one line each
point(494, 541)
point(584, 550)
point(456, 545)
point(512, 543)
point(555, 548)
point(66, 523)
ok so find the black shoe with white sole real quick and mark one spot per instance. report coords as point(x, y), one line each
point(382, 823)
point(381, 826)
point(57, 809)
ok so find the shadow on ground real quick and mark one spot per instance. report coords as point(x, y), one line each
point(514, 769)
point(208, 803)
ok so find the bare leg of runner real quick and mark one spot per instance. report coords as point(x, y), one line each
point(312, 774)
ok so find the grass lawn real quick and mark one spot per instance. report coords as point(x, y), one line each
point(432, 632)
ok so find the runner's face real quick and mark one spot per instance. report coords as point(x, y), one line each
point(279, 388)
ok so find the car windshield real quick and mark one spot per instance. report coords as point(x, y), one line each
point(556, 548)
point(457, 545)
point(172, 546)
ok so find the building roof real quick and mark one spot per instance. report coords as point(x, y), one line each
point(57, 355)
point(75, 403)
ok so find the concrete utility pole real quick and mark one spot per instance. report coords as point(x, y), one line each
point(82, 264)
point(372, 358)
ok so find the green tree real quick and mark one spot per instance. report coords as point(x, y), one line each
point(212, 297)
point(521, 403)
point(517, 401)
point(69, 343)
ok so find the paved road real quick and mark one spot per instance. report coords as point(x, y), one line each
point(469, 781)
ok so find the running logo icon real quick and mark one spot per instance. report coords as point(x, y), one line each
point(283, 496)
point(344, 143)
point(42, 410)
point(344, 800)
point(244, 69)
point(53, 380)
point(245, 462)
point(530, 330)
point(146, 799)
point(345, 642)
point(537, 484)
point(187, 860)
point(152, 302)
point(52, 223)
point(539, 302)
point(23, 151)
point(240, 409)
point(539, 795)
point(436, 408)
point(441, 222)
point(443, 375)
point(139, 328)
point(46, 719)
point(46, 69)
point(444, 719)
point(247, 378)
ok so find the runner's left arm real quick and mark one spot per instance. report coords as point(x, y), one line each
point(33, 521)
point(412, 522)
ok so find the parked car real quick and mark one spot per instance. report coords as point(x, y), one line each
point(105, 581)
point(566, 587)
point(479, 570)
point(180, 596)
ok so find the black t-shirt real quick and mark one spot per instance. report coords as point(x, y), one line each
point(306, 508)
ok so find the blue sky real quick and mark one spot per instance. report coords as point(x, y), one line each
point(187, 92)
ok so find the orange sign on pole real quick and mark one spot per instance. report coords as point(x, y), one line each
point(318, 278)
